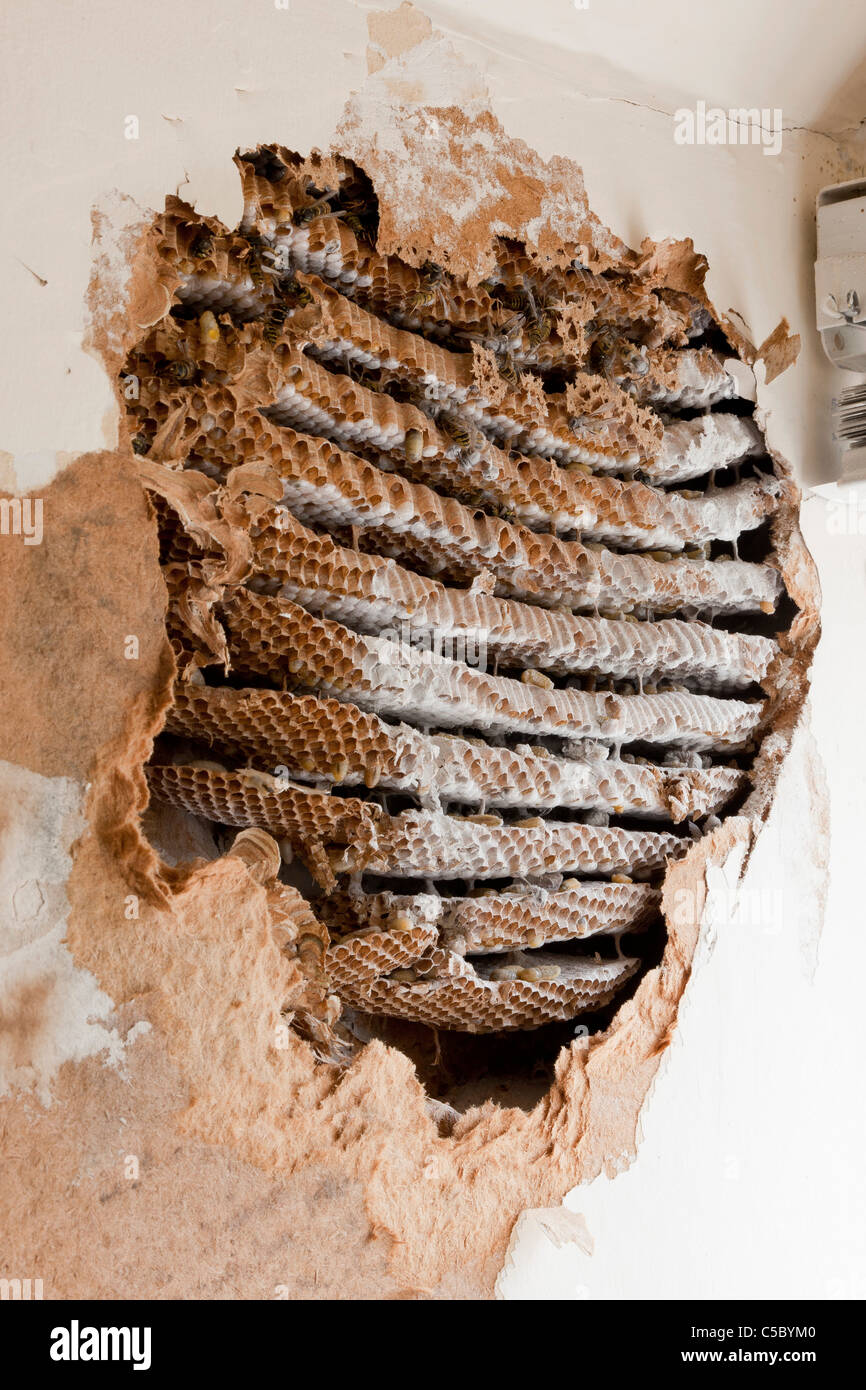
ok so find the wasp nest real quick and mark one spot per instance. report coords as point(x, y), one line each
point(472, 589)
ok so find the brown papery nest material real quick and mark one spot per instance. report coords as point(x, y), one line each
point(490, 620)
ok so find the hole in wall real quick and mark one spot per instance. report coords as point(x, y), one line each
point(470, 598)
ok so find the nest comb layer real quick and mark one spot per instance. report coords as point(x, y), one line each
point(450, 625)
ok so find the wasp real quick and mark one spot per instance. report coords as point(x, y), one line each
point(476, 500)
point(536, 316)
point(510, 330)
point(486, 505)
point(517, 299)
point(429, 289)
point(140, 444)
point(297, 293)
point(604, 352)
point(202, 246)
point(319, 207)
point(456, 431)
point(254, 259)
point(634, 360)
point(423, 298)
point(580, 425)
point(615, 357)
point(181, 369)
point(274, 320)
point(540, 328)
point(508, 369)
point(358, 216)
point(359, 227)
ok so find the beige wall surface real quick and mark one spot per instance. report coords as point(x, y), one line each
point(748, 1180)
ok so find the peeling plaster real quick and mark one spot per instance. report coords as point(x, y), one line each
point(51, 1011)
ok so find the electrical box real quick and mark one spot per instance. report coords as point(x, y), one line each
point(840, 296)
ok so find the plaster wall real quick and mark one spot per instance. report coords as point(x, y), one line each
point(749, 1178)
